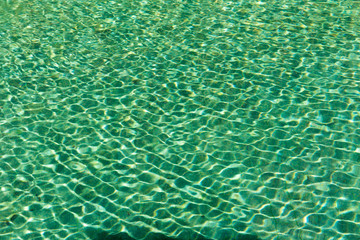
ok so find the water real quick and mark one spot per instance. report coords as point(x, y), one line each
point(190, 119)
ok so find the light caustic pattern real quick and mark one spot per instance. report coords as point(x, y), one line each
point(186, 118)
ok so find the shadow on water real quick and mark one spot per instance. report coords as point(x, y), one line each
point(97, 234)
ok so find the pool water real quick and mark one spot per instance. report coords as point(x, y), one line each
point(190, 119)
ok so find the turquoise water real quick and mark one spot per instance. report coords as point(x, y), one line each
point(193, 119)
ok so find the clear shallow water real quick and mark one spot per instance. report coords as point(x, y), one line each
point(180, 117)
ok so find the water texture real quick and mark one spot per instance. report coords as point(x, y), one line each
point(190, 119)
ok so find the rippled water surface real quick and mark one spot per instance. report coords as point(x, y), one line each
point(191, 119)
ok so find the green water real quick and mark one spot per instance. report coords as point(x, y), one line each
point(217, 118)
